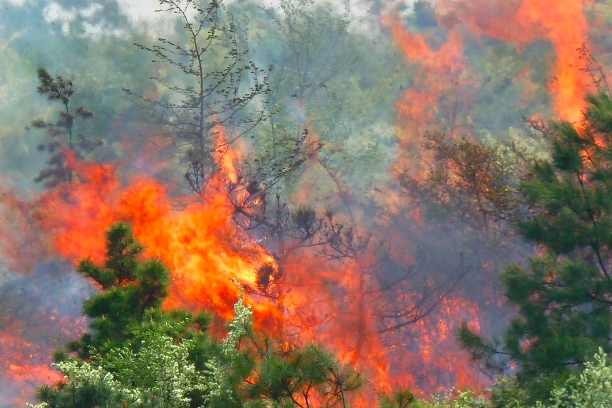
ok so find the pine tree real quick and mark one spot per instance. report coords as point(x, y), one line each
point(129, 289)
point(564, 296)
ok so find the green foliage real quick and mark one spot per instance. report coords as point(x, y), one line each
point(54, 88)
point(255, 370)
point(506, 393)
point(562, 297)
point(87, 387)
point(332, 98)
point(399, 399)
point(590, 389)
point(130, 289)
point(159, 371)
point(462, 399)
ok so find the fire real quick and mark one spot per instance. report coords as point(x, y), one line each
point(438, 75)
point(332, 306)
point(230, 158)
point(23, 361)
point(335, 303)
point(443, 97)
point(33, 330)
point(331, 303)
point(199, 244)
point(522, 22)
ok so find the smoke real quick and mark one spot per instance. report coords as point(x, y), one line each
point(40, 313)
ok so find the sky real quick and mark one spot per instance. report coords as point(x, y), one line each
point(141, 14)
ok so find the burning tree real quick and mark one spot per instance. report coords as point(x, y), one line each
point(130, 289)
point(563, 297)
point(219, 84)
point(467, 182)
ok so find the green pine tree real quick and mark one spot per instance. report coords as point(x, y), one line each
point(563, 297)
point(130, 288)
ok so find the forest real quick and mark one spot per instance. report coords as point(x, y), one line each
point(305, 204)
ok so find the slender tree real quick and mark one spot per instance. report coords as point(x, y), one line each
point(219, 88)
point(61, 90)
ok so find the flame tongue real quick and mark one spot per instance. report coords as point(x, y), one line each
point(442, 86)
point(523, 22)
point(199, 244)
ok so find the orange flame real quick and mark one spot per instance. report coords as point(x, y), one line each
point(26, 354)
point(562, 23)
point(440, 96)
point(438, 75)
point(333, 304)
